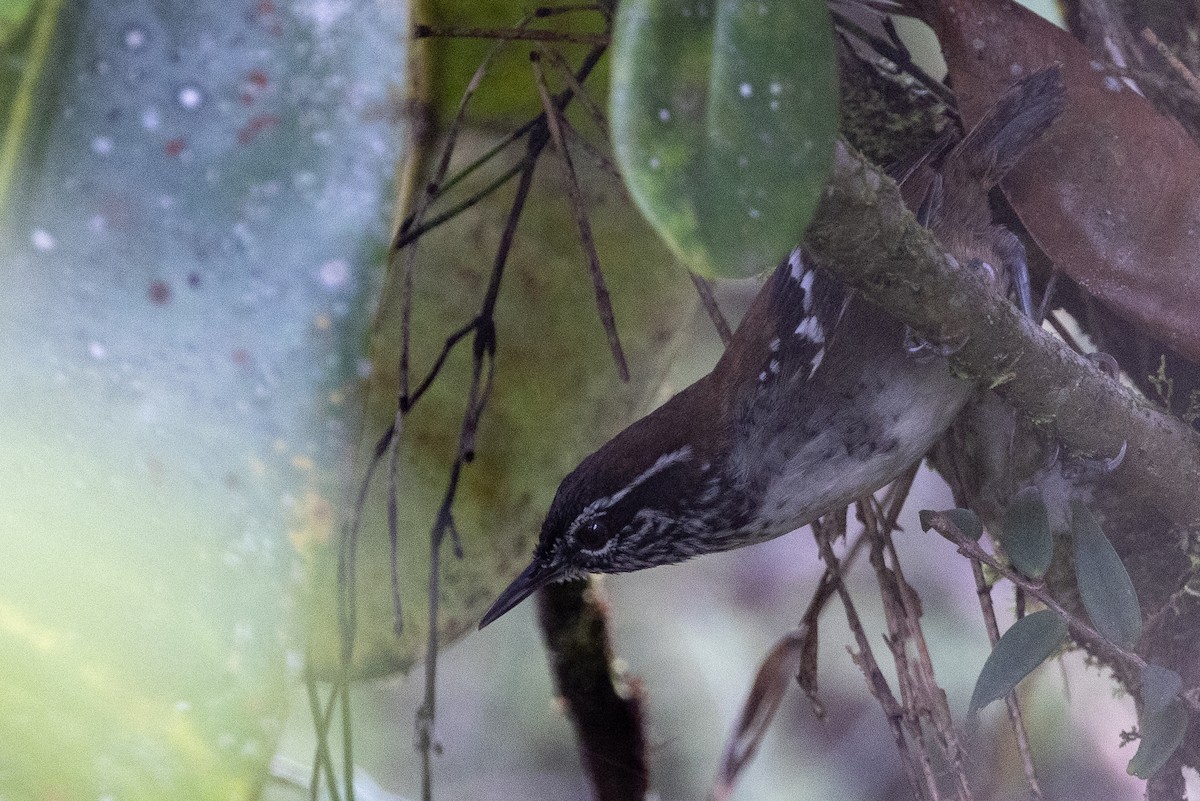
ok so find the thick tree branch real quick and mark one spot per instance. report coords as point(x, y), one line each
point(863, 233)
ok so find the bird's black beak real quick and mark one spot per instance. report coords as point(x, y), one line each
point(532, 579)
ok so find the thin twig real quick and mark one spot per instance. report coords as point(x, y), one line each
point(393, 518)
point(902, 61)
point(709, 301)
point(1186, 74)
point(483, 326)
point(1016, 720)
point(934, 698)
point(914, 700)
point(876, 682)
point(509, 34)
point(409, 232)
point(321, 721)
point(432, 188)
point(570, 8)
point(601, 159)
point(568, 75)
point(485, 331)
point(347, 742)
point(599, 288)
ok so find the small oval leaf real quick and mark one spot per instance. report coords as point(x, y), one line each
point(966, 521)
point(1161, 736)
point(723, 119)
point(1104, 583)
point(1160, 686)
point(1026, 533)
point(1028, 643)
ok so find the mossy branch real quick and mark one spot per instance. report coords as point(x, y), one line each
point(863, 233)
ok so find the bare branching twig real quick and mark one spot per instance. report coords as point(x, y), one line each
point(603, 301)
point(1015, 718)
point(509, 34)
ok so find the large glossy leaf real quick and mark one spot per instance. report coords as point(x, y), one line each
point(724, 115)
point(1104, 584)
point(1028, 643)
point(556, 395)
point(194, 199)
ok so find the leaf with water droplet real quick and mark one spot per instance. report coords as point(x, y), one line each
point(1025, 533)
point(1028, 643)
point(1104, 584)
point(723, 118)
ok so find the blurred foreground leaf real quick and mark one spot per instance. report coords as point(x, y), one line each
point(187, 243)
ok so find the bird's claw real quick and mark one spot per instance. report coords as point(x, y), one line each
point(923, 349)
point(1106, 363)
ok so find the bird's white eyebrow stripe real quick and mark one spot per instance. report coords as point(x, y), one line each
point(662, 463)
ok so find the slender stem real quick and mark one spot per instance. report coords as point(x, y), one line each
point(408, 233)
point(901, 59)
point(876, 683)
point(599, 288)
point(1016, 720)
point(709, 301)
point(347, 744)
point(509, 34)
point(322, 758)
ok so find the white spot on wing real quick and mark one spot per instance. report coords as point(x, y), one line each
point(810, 329)
point(796, 263)
point(806, 282)
point(816, 361)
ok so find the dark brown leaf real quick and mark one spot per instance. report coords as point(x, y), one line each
point(774, 675)
point(1112, 192)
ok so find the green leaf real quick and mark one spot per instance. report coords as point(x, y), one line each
point(1028, 643)
point(1160, 686)
point(1162, 735)
point(1025, 533)
point(723, 118)
point(1104, 583)
point(188, 264)
point(966, 521)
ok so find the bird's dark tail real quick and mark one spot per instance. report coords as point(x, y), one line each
point(1010, 127)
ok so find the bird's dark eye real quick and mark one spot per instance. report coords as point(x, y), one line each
point(594, 535)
